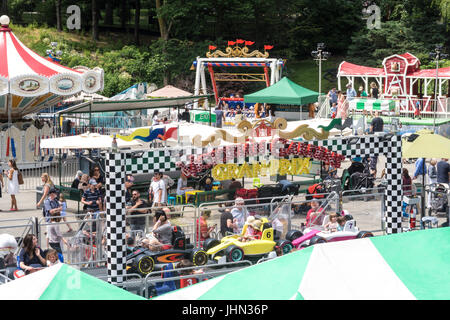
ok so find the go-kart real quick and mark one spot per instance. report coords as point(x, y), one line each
point(230, 249)
point(317, 234)
point(142, 260)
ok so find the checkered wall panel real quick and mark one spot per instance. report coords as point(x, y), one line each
point(115, 217)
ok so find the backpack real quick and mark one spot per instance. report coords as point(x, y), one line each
point(20, 177)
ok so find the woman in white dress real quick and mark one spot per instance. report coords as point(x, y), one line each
point(13, 183)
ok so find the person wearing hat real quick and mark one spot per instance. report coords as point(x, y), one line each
point(253, 231)
point(51, 204)
point(92, 197)
point(77, 179)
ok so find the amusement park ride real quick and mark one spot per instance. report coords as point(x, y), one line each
point(236, 56)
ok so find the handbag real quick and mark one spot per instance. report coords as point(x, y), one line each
point(20, 177)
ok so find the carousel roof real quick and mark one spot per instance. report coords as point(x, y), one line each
point(30, 82)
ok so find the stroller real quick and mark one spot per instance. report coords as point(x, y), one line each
point(438, 199)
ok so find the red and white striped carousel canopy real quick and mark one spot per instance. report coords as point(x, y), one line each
point(24, 73)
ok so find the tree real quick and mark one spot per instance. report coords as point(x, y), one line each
point(137, 17)
point(58, 15)
point(94, 20)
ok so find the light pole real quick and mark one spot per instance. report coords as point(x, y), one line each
point(320, 55)
point(436, 55)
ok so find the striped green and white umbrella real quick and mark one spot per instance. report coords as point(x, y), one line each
point(372, 104)
point(411, 265)
point(62, 282)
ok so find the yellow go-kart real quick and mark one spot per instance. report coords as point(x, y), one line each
point(234, 250)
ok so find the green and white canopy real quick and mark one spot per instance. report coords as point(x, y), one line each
point(372, 104)
point(405, 266)
point(62, 282)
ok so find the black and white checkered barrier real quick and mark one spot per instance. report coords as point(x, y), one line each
point(118, 165)
point(115, 217)
point(376, 145)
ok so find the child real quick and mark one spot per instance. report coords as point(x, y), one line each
point(54, 235)
point(253, 231)
point(52, 257)
point(341, 223)
point(186, 263)
point(332, 223)
point(208, 184)
point(63, 203)
point(333, 110)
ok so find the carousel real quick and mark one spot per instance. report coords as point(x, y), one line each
point(28, 84)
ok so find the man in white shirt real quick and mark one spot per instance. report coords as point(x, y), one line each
point(239, 213)
point(158, 191)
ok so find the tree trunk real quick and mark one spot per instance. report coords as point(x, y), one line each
point(94, 20)
point(109, 14)
point(137, 16)
point(4, 7)
point(58, 16)
point(162, 23)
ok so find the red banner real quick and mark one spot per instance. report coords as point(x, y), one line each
point(239, 41)
point(231, 43)
point(267, 47)
point(212, 48)
point(249, 43)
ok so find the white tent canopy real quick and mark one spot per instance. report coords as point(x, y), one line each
point(86, 141)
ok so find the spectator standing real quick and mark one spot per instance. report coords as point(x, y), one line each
point(202, 228)
point(137, 207)
point(158, 191)
point(31, 256)
point(239, 213)
point(350, 93)
point(226, 219)
point(13, 183)
point(182, 183)
point(373, 91)
point(48, 184)
point(54, 235)
point(77, 179)
point(362, 93)
point(377, 124)
point(432, 178)
point(220, 116)
point(406, 183)
point(420, 169)
point(63, 203)
point(99, 178)
point(333, 96)
point(155, 120)
point(443, 172)
point(257, 110)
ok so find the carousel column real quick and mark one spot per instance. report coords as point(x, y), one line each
point(115, 217)
point(393, 191)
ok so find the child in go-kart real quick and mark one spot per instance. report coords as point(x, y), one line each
point(253, 231)
point(341, 223)
point(332, 224)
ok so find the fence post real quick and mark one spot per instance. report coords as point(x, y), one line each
point(36, 230)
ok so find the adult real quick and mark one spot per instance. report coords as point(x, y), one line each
point(77, 179)
point(48, 184)
point(174, 115)
point(51, 205)
point(333, 96)
point(362, 93)
point(92, 197)
point(420, 169)
point(239, 213)
point(356, 166)
point(432, 178)
point(31, 256)
point(137, 208)
point(257, 110)
point(377, 124)
point(182, 183)
point(157, 191)
point(185, 116)
point(443, 172)
point(234, 185)
point(226, 219)
point(220, 116)
point(155, 119)
point(406, 183)
point(350, 93)
point(129, 182)
point(373, 90)
point(202, 228)
point(162, 229)
point(311, 110)
point(99, 178)
point(13, 183)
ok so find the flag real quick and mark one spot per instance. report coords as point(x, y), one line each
point(212, 48)
point(231, 43)
point(267, 47)
point(249, 43)
point(239, 41)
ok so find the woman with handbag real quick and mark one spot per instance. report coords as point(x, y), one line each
point(13, 183)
